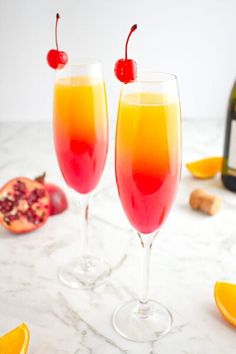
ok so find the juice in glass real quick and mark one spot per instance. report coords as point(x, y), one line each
point(147, 157)
point(80, 130)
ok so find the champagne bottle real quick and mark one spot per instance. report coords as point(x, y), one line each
point(229, 161)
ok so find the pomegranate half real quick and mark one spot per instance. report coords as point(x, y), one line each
point(24, 205)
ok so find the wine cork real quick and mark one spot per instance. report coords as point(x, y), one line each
point(207, 203)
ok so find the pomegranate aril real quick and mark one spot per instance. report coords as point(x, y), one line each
point(13, 217)
point(16, 198)
point(33, 197)
point(40, 219)
point(10, 218)
point(20, 187)
point(6, 205)
point(30, 215)
point(40, 193)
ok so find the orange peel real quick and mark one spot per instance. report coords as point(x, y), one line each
point(225, 298)
point(205, 168)
point(15, 341)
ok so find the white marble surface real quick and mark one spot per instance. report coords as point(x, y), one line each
point(190, 254)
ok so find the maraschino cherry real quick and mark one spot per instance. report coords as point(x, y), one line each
point(55, 58)
point(126, 69)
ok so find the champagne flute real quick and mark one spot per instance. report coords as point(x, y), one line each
point(148, 167)
point(81, 143)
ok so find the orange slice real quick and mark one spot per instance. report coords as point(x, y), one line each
point(15, 341)
point(225, 298)
point(205, 168)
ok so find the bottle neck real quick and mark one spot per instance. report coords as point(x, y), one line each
point(233, 92)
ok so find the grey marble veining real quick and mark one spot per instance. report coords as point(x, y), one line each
point(190, 254)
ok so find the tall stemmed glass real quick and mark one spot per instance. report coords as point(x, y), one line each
point(81, 142)
point(148, 165)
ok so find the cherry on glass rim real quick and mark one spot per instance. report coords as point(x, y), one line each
point(126, 69)
point(57, 59)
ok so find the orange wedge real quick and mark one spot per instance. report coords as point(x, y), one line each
point(205, 168)
point(225, 298)
point(16, 341)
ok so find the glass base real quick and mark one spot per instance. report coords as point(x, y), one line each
point(85, 272)
point(142, 324)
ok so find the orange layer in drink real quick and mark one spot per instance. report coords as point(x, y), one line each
point(80, 130)
point(147, 158)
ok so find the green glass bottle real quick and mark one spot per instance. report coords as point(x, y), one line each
point(229, 161)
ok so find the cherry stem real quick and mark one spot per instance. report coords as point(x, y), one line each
point(57, 18)
point(133, 28)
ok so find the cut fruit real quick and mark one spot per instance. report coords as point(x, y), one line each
point(205, 168)
point(225, 298)
point(16, 341)
point(24, 205)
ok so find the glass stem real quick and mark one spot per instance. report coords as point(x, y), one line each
point(146, 243)
point(84, 207)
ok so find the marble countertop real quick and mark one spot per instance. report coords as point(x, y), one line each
point(191, 253)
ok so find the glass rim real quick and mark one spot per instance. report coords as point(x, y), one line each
point(152, 77)
point(82, 67)
point(83, 62)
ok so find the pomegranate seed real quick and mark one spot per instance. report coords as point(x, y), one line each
point(40, 193)
point(6, 205)
point(33, 197)
point(30, 215)
point(20, 187)
point(10, 218)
